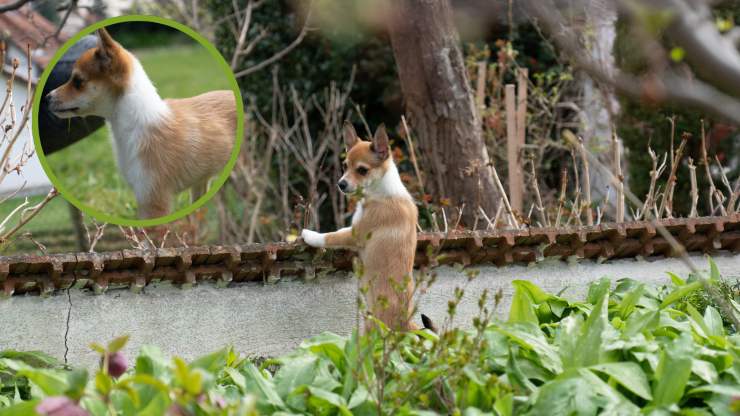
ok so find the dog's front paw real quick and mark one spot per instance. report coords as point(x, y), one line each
point(312, 238)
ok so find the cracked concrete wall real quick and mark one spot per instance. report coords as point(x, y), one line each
point(272, 319)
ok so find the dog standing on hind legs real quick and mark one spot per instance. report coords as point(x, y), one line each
point(383, 229)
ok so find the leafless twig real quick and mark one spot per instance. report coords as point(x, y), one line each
point(694, 189)
point(278, 55)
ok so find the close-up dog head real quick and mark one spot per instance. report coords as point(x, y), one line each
point(366, 162)
point(98, 77)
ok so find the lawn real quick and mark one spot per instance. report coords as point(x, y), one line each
point(53, 222)
point(87, 169)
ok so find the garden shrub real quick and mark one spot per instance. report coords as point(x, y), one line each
point(640, 124)
point(624, 350)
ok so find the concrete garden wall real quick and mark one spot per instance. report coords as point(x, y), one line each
point(271, 319)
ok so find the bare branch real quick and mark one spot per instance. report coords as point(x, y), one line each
point(667, 87)
point(27, 214)
point(694, 188)
point(280, 54)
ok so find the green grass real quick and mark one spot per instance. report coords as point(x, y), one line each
point(54, 216)
point(53, 220)
point(87, 169)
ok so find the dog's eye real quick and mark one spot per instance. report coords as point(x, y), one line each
point(362, 171)
point(77, 82)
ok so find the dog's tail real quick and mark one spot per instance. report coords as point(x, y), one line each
point(428, 324)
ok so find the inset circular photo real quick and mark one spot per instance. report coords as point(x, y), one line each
point(138, 120)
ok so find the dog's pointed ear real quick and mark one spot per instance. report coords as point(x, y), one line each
point(350, 135)
point(106, 44)
point(105, 40)
point(380, 143)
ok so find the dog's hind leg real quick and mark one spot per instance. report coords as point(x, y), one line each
point(198, 190)
point(155, 205)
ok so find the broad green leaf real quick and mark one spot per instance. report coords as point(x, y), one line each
point(157, 406)
point(598, 290)
point(194, 382)
point(325, 378)
point(714, 274)
point(212, 362)
point(676, 280)
point(361, 403)
point(504, 406)
point(589, 346)
point(531, 337)
point(705, 370)
point(51, 382)
point(680, 293)
point(237, 378)
point(117, 344)
point(567, 340)
point(352, 353)
point(629, 375)
point(295, 371)
point(148, 380)
point(522, 307)
point(723, 389)
point(330, 346)
point(641, 321)
point(697, 321)
point(76, 380)
point(321, 398)
point(20, 409)
point(103, 383)
point(616, 401)
point(151, 361)
point(673, 372)
point(569, 396)
point(516, 377)
point(536, 294)
point(557, 306)
point(36, 359)
point(713, 321)
point(97, 348)
point(474, 411)
point(627, 305)
point(359, 397)
point(262, 386)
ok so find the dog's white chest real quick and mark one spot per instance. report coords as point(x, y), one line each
point(358, 213)
point(126, 143)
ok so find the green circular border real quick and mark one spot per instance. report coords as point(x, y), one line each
point(215, 186)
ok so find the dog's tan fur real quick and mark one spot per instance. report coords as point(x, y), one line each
point(179, 162)
point(384, 233)
point(183, 149)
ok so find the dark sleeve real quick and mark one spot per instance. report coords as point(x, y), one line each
point(56, 133)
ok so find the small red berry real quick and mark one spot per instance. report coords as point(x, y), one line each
point(117, 364)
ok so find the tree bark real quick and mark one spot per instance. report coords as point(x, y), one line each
point(599, 104)
point(441, 106)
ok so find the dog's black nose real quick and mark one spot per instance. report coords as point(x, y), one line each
point(342, 185)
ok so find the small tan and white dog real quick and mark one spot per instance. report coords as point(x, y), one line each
point(162, 146)
point(383, 228)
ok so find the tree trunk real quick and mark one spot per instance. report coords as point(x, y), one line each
point(441, 106)
point(599, 104)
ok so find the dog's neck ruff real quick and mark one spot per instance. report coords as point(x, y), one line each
point(390, 185)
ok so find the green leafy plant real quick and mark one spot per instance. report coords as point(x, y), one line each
point(624, 350)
